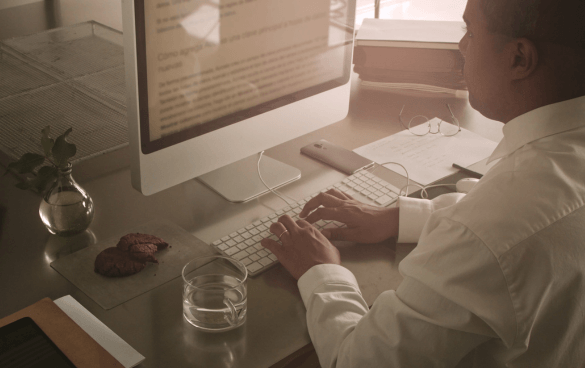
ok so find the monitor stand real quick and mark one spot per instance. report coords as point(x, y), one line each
point(239, 182)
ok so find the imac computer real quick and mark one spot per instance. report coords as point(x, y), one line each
point(211, 83)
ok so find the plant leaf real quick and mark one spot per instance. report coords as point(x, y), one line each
point(63, 150)
point(27, 163)
point(46, 141)
point(45, 176)
point(25, 185)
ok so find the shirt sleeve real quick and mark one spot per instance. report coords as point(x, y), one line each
point(415, 212)
point(440, 312)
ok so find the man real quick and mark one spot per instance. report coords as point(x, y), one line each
point(498, 275)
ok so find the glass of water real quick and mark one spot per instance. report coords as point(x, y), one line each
point(214, 293)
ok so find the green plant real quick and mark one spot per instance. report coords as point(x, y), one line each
point(56, 151)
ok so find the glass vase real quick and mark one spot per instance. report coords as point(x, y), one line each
point(66, 209)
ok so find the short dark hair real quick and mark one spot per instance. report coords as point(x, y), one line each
point(555, 21)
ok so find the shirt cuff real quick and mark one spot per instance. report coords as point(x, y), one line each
point(324, 274)
point(413, 216)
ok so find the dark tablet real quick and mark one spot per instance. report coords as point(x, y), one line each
point(24, 345)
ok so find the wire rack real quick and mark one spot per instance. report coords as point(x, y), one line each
point(67, 77)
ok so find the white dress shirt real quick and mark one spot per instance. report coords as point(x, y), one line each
point(498, 273)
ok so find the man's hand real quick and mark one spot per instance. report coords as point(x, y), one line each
point(365, 223)
point(303, 246)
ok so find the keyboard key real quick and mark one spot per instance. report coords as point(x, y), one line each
point(251, 250)
point(246, 261)
point(234, 234)
point(280, 212)
point(320, 224)
point(240, 255)
point(239, 239)
point(254, 257)
point(272, 216)
point(232, 251)
point(371, 182)
point(273, 257)
point(241, 231)
point(265, 234)
point(264, 219)
point(365, 192)
point(217, 242)
point(287, 208)
point(249, 227)
point(258, 246)
point(358, 188)
point(242, 245)
point(378, 193)
point(223, 246)
point(373, 196)
point(265, 261)
point(262, 228)
point(257, 238)
point(225, 238)
point(254, 232)
point(262, 253)
point(250, 242)
point(378, 186)
point(257, 223)
point(358, 181)
point(383, 200)
point(246, 235)
point(377, 179)
point(253, 267)
point(338, 185)
point(385, 190)
point(231, 242)
point(393, 188)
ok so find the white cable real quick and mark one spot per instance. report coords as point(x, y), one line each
point(266, 185)
point(404, 168)
point(423, 193)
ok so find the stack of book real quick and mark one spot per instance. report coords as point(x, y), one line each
point(410, 54)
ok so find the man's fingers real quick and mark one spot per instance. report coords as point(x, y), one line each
point(339, 194)
point(277, 228)
point(323, 199)
point(324, 213)
point(272, 245)
point(288, 223)
point(342, 233)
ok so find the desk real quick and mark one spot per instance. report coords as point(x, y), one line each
point(152, 323)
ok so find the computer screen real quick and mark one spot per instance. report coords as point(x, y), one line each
point(218, 80)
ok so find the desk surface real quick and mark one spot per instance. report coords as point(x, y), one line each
point(152, 323)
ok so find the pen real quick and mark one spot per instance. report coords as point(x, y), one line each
point(467, 171)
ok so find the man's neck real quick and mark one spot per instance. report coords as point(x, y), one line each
point(532, 96)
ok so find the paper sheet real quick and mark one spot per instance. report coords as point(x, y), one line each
point(430, 157)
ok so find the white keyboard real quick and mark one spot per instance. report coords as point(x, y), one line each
point(244, 244)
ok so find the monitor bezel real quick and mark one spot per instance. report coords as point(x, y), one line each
point(148, 146)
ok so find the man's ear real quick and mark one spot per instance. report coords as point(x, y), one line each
point(523, 58)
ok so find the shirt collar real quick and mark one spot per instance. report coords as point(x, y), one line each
point(539, 123)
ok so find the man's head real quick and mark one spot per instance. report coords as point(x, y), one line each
point(523, 54)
